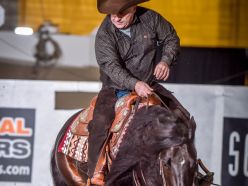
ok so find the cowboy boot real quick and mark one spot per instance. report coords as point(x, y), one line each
point(99, 173)
point(98, 179)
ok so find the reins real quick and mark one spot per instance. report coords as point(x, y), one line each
point(205, 169)
point(137, 104)
point(147, 102)
point(163, 103)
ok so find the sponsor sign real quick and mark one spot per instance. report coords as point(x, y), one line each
point(235, 152)
point(16, 144)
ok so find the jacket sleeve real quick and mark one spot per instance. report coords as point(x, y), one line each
point(107, 57)
point(167, 36)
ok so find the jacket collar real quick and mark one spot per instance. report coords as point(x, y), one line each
point(136, 20)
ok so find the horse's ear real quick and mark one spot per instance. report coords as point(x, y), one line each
point(192, 127)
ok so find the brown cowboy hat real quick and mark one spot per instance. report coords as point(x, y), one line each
point(116, 6)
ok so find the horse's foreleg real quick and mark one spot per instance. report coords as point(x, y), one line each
point(69, 170)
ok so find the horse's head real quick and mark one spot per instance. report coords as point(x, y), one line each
point(159, 147)
point(178, 164)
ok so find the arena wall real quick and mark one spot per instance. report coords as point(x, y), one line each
point(30, 121)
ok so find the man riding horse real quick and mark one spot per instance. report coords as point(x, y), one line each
point(126, 47)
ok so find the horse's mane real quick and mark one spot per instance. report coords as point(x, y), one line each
point(151, 130)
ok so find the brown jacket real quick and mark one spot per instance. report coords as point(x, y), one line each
point(124, 60)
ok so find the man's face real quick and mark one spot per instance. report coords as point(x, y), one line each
point(124, 19)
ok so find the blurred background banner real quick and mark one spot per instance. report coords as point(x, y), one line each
point(17, 140)
point(219, 111)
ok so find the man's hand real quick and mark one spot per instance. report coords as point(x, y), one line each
point(143, 89)
point(162, 71)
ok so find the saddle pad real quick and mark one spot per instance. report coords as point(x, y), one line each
point(73, 145)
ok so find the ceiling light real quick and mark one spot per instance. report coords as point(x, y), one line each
point(2, 15)
point(24, 31)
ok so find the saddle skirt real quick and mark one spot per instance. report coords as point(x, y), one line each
point(75, 141)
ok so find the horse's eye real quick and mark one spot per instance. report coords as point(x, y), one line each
point(166, 163)
point(169, 162)
point(166, 166)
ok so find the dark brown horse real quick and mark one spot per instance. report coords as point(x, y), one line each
point(157, 149)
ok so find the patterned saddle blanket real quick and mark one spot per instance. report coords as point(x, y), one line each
point(75, 141)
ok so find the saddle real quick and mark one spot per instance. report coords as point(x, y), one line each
point(75, 140)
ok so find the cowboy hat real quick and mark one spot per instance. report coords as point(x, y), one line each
point(116, 6)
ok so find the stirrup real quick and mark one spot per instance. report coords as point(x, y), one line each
point(88, 182)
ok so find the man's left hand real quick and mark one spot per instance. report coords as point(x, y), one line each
point(162, 71)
